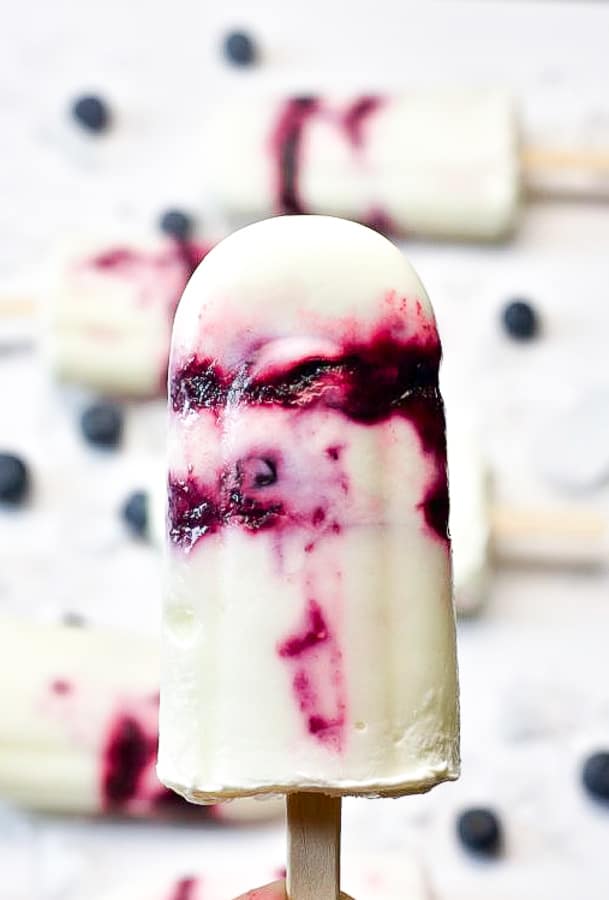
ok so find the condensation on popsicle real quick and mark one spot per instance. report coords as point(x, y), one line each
point(308, 626)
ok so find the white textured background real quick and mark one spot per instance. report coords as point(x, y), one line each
point(158, 65)
point(534, 670)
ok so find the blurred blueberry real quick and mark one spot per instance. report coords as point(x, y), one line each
point(480, 831)
point(14, 479)
point(73, 620)
point(239, 48)
point(520, 320)
point(135, 513)
point(177, 224)
point(91, 112)
point(102, 424)
point(595, 775)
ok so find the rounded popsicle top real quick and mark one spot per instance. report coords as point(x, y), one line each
point(328, 280)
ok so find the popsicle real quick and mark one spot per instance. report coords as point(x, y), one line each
point(79, 735)
point(486, 531)
point(470, 529)
point(438, 163)
point(441, 163)
point(308, 633)
point(108, 313)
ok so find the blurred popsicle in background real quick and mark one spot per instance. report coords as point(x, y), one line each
point(102, 312)
point(109, 311)
point(448, 164)
point(79, 726)
point(486, 533)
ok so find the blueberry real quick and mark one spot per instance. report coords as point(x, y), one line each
point(595, 775)
point(267, 473)
point(256, 472)
point(520, 320)
point(91, 112)
point(14, 479)
point(102, 424)
point(177, 224)
point(239, 48)
point(305, 101)
point(480, 830)
point(135, 513)
point(73, 620)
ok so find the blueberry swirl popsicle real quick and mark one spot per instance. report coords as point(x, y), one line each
point(78, 736)
point(109, 310)
point(309, 641)
point(437, 164)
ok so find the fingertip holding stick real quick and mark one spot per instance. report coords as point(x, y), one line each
point(313, 847)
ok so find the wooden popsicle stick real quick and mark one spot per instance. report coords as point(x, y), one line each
point(573, 524)
point(565, 172)
point(565, 159)
point(313, 847)
point(12, 305)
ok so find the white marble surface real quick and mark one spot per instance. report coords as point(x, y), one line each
point(534, 683)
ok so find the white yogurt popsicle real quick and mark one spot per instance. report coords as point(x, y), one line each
point(108, 313)
point(308, 634)
point(434, 163)
point(79, 724)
